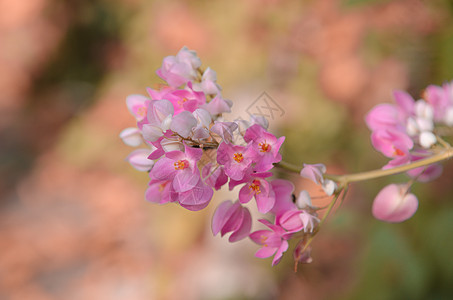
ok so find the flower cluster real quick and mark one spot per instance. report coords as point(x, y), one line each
point(406, 132)
point(189, 151)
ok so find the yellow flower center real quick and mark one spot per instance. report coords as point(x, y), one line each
point(181, 102)
point(264, 147)
point(398, 152)
point(255, 186)
point(141, 111)
point(181, 164)
point(238, 157)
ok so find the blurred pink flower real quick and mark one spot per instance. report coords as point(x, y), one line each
point(394, 204)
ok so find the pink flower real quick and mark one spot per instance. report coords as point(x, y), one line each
point(394, 204)
point(182, 99)
point(265, 147)
point(180, 168)
point(297, 220)
point(236, 160)
point(259, 188)
point(273, 242)
point(158, 191)
point(315, 173)
point(405, 104)
point(137, 105)
point(391, 143)
point(179, 69)
point(234, 218)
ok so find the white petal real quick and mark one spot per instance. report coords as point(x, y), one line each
point(427, 139)
point(131, 136)
point(304, 200)
point(329, 186)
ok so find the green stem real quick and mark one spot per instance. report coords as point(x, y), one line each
point(344, 180)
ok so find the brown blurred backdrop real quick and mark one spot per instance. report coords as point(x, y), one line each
point(73, 220)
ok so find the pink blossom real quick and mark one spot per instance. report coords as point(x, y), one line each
point(273, 242)
point(391, 143)
point(158, 191)
point(232, 217)
point(302, 217)
point(259, 188)
point(394, 204)
point(180, 168)
point(236, 160)
point(137, 105)
point(179, 69)
point(314, 172)
point(265, 147)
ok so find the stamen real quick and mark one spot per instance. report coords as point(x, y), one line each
point(181, 164)
point(255, 186)
point(238, 157)
point(265, 147)
point(398, 152)
point(263, 240)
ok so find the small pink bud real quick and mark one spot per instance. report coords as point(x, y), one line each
point(394, 204)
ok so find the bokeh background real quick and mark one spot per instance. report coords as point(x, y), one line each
point(73, 220)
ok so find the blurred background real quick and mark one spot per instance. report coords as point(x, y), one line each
point(73, 220)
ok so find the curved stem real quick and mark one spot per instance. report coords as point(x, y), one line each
point(345, 179)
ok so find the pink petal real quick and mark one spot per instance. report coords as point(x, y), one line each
point(183, 123)
point(196, 198)
point(278, 255)
point(265, 252)
point(394, 204)
point(244, 229)
point(185, 180)
point(139, 159)
point(219, 217)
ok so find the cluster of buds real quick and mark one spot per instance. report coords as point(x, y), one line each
point(190, 150)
